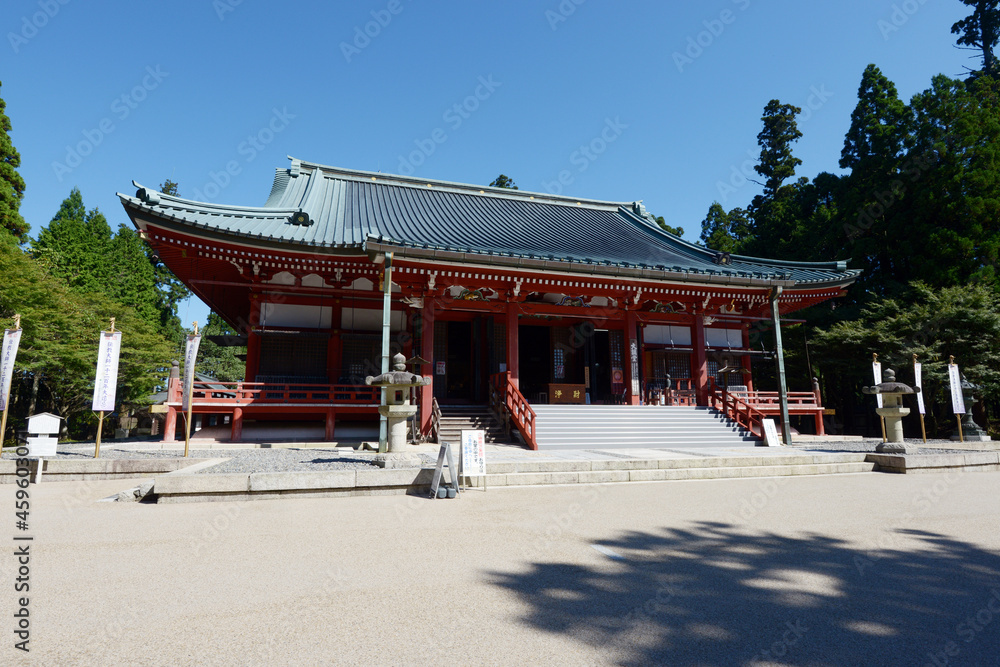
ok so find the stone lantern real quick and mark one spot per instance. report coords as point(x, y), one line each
point(970, 429)
point(892, 409)
point(397, 409)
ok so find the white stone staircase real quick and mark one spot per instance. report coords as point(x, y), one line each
point(641, 426)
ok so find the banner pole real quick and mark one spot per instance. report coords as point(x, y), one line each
point(6, 397)
point(923, 428)
point(958, 417)
point(100, 415)
point(881, 419)
point(190, 410)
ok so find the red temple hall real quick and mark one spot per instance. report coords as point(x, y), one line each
point(525, 302)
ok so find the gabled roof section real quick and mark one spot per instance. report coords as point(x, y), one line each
point(320, 207)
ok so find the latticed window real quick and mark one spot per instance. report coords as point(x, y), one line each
point(293, 357)
point(362, 356)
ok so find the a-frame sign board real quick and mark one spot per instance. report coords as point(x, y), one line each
point(444, 492)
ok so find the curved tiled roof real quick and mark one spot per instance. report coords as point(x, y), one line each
point(321, 207)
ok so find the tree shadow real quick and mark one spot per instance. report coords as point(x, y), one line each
point(713, 594)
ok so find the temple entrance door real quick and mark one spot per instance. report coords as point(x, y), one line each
point(534, 361)
point(599, 355)
point(459, 363)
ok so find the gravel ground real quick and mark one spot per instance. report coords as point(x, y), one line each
point(913, 446)
point(242, 460)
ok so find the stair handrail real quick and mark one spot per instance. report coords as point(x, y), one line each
point(735, 408)
point(515, 407)
point(435, 421)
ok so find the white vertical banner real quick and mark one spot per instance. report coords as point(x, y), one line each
point(11, 339)
point(877, 371)
point(957, 400)
point(473, 453)
point(190, 355)
point(106, 382)
point(918, 369)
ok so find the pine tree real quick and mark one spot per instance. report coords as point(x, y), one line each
point(981, 31)
point(77, 246)
point(11, 183)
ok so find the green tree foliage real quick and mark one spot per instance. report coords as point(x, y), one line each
point(503, 181)
point(980, 31)
point(225, 363)
point(60, 340)
point(77, 245)
point(676, 231)
point(777, 163)
point(933, 324)
point(11, 183)
point(725, 232)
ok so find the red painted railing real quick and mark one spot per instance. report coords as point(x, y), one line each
point(267, 393)
point(507, 400)
point(734, 407)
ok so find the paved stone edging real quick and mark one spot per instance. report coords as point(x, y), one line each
point(910, 463)
point(68, 470)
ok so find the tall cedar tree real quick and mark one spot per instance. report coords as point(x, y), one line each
point(774, 213)
point(874, 198)
point(11, 183)
point(980, 31)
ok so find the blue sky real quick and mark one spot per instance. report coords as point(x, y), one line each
point(659, 101)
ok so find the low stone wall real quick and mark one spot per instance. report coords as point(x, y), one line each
point(269, 485)
point(67, 470)
point(916, 463)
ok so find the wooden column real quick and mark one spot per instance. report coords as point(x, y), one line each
point(699, 368)
point(631, 360)
point(512, 343)
point(427, 352)
point(331, 422)
point(253, 340)
point(335, 346)
point(745, 361)
point(236, 428)
point(170, 427)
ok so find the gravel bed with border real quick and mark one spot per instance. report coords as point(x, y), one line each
point(913, 446)
point(239, 460)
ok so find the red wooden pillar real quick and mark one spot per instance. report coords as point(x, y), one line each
point(170, 428)
point(331, 421)
point(236, 431)
point(253, 340)
point(700, 366)
point(335, 347)
point(512, 343)
point(745, 360)
point(631, 358)
point(427, 352)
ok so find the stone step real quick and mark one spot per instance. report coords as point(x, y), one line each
point(670, 474)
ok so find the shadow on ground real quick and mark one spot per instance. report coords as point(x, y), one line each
point(715, 595)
